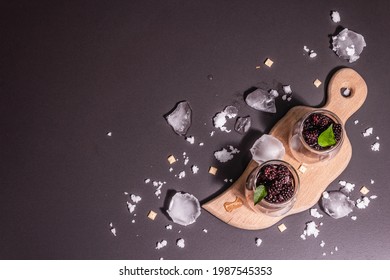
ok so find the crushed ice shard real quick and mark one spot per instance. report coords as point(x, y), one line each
point(336, 204)
point(184, 208)
point(267, 148)
point(180, 118)
point(348, 45)
point(261, 100)
point(243, 124)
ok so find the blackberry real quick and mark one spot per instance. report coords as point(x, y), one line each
point(337, 130)
point(311, 137)
point(278, 180)
point(314, 125)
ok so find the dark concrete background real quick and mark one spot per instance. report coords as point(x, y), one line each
point(71, 72)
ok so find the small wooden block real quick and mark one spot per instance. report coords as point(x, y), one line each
point(152, 215)
point(268, 62)
point(364, 190)
point(171, 159)
point(230, 206)
point(317, 83)
point(213, 170)
point(302, 168)
point(282, 227)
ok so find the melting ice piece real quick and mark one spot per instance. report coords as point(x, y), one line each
point(243, 124)
point(180, 118)
point(220, 118)
point(348, 45)
point(184, 208)
point(224, 155)
point(335, 15)
point(336, 204)
point(261, 100)
point(267, 148)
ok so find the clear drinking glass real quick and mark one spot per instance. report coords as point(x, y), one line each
point(306, 154)
point(271, 209)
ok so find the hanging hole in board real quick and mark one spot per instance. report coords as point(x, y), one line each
point(346, 92)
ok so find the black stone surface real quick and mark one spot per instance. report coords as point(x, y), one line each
point(71, 71)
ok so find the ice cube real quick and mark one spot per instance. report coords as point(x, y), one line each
point(336, 204)
point(348, 45)
point(180, 118)
point(267, 148)
point(184, 208)
point(243, 124)
point(180, 243)
point(261, 100)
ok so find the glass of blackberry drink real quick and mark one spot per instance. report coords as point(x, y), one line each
point(317, 137)
point(272, 188)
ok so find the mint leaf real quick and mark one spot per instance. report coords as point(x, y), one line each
point(326, 138)
point(260, 193)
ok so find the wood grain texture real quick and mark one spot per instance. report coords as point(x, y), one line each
point(317, 176)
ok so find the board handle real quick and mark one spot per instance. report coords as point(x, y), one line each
point(345, 106)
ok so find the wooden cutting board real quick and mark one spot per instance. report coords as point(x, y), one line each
point(317, 176)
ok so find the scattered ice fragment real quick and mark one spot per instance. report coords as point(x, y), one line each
point(335, 16)
point(205, 230)
point(182, 174)
point(133, 221)
point(372, 181)
point(168, 227)
point(353, 218)
point(261, 100)
point(287, 89)
point(243, 124)
point(336, 204)
point(324, 254)
point(368, 132)
point(194, 169)
point(373, 197)
point(109, 134)
point(212, 133)
point(180, 243)
point(345, 92)
point(130, 207)
point(306, 49)
point(314, 212)
point(377, 138)
point(343, 183)
point(348, 187)
point(147, 181)
point(274, 93)
point(375, 147)
point(258, 242)
point(112, 229)
point(348, 45)
point(225, 155)
point(363, 202)
point(158, 192)
point(284, 97)
point(186, 160)
point(210, 77)
point(201, 144)
point(356, 122)
point(336, 248)
point(184, 208)
point(267, 148)
point(180, 118)
point(170, 169)
point(312, 54)
point(322, 244)
point(220, 118)
point(311, 229)
point(135, 198)
point(161, 244)
point(190, 139)
point(289, 99)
